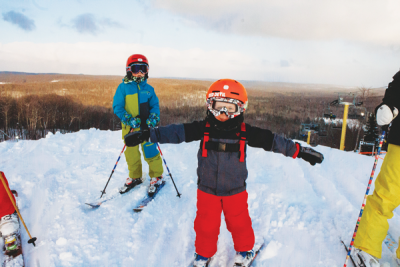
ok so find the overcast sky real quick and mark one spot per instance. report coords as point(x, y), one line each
point(341, 42)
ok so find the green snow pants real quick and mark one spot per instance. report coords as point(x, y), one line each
point(151, 156)
point(379, 207)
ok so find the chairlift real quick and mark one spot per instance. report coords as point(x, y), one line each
point(306, 127)
point(334, 103)
point(359, 104)
point(355, 114)
point(330, 116)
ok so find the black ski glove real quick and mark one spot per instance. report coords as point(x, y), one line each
point(309, 154)
point(136, 138)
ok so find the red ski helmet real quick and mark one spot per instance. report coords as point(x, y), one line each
point(137, 58)
point(227, 90)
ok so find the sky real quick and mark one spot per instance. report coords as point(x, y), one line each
point(340, 42)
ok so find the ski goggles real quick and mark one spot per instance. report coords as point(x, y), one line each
point(138, 67)
point(231, 107)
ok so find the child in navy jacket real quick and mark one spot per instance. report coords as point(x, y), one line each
point(222, 170)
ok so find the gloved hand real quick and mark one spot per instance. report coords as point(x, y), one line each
point(153, 120)
point(384, 115)
point(136, 138)
point(131, 121)
point(310, 155)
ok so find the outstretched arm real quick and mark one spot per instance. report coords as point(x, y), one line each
point(269, 141)
point(172, 134)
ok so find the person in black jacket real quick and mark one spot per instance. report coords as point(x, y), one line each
point(222, 170)
point(374, 224)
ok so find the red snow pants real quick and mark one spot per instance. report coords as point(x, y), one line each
point(6, 207)
point(208, 222)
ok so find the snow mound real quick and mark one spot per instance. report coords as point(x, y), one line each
point(301, 211)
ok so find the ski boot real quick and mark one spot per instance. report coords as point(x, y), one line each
point(9, 224)
point(200, 261)
point(9, 228)
point(129, 184)
point(154, 184)
point(363, 259)
point(244, 258)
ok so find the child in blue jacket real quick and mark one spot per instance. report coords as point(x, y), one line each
point(136, 104)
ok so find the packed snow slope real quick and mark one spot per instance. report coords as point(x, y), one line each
point(301, 211)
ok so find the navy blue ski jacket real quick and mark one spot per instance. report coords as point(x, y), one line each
point(222, 173)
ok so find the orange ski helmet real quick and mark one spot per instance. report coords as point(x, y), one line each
point(137, 58)
point(227, 90)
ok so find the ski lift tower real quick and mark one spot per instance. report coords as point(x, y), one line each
point(345, 113)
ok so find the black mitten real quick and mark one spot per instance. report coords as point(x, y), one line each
point(136, 138)
point(310, 155)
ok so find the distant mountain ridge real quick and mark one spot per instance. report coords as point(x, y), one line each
point(27, 73)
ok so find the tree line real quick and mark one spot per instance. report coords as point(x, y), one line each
point(33, 116)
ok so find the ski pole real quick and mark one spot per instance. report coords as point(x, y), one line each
point(365, 197)
point(112, 172)
point(3, 177)
point(170, 175)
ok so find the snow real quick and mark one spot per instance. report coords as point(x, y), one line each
point(301, 211)
point(351, 123)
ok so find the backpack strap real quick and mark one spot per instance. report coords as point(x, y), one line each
point(205, 140)
point(242, 142)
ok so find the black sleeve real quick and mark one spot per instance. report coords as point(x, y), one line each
point(194, 131)
point(178, 133)
point(269, 141)
point(258, 137)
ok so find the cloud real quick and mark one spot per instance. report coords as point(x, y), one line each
point(375, 22)
point(88, 23)
point(85, 23)
point(107, 22)
point(20, 20)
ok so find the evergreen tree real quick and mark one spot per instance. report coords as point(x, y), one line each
point(372, 132)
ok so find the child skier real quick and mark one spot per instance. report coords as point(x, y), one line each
point(373, 227)
point(136, 104)
point(9, 222)
point(222, 171)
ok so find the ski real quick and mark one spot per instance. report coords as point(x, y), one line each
point(207, 263)
point(257, 247)
point(351, 257)
point(97, 203)
point(146, 200)
point(13, 257)
point(392, 245)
